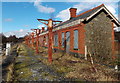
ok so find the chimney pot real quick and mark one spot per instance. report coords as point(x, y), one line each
point(72, 12)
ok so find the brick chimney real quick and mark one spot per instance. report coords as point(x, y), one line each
point(72, 12)
point(43, 29)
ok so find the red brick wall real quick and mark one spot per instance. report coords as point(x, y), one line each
point(113, 44)
point(116, 47)
point(117, 42)
point(81, 35)
point(81, 39)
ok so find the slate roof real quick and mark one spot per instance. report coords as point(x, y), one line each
point(82, 15)
point(89, 12)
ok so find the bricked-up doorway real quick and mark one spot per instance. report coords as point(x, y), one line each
point(67, 42)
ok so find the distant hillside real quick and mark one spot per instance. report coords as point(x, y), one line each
point(13, 39)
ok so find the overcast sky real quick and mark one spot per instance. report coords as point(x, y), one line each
point(19, 17)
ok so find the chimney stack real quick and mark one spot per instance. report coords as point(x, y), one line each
point(72, 12)
point(43, 29)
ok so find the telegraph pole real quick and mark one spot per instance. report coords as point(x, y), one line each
point(49, 24)
point(27, 40)
point(32, 36)
point(37, 31)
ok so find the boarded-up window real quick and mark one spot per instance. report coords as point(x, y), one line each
point(75, 39)
point(62, 39)
point(55, 40)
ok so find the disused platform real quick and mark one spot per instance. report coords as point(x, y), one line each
point(35, 67)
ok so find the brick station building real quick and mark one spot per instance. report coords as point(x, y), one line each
point(91, 30)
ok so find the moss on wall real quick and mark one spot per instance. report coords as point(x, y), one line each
point(99, 37)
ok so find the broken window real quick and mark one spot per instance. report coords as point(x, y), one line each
point(75, 39)
point(56, 40)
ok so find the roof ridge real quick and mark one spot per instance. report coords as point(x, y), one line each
point(90, 10)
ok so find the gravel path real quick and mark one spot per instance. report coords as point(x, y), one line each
point(30, 68)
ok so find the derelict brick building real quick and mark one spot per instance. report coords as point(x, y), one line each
point(91, 31)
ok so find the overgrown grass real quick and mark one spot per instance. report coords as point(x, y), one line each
point(69, 66)
point(25, 50)
point(80, 69)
